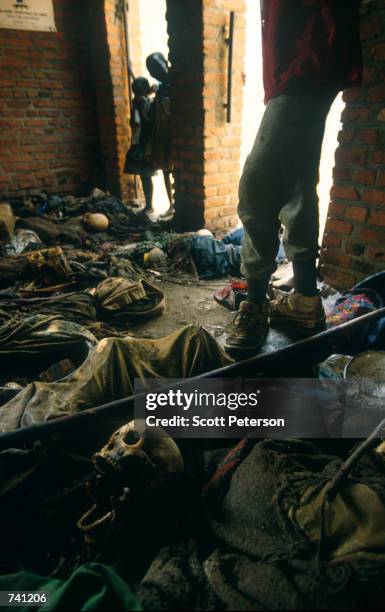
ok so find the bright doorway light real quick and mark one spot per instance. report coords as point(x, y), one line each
point(154, 37)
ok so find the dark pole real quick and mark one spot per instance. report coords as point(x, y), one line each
point(125, 11)
point(230, 43)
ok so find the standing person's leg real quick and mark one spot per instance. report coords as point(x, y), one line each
point(170, 195)
point(289, 136)
point(300, 215)
point(168, 185)
point(148, 190)
point(261, 197)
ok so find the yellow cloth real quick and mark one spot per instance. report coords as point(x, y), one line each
point(354, 521)
point(109, 372)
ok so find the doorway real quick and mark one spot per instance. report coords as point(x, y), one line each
point(253, 108)
point(154, 37)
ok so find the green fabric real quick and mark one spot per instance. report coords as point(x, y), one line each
point(92, 586)
point(279, 183)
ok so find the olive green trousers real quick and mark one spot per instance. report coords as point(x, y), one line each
point(279, 183)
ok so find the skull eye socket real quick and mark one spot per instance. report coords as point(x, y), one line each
point(131, 437)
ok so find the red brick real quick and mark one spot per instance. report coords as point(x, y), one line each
point(378, 157)
point(376, 253)
point(366, 177)
point(369, 136)
point(337, 226)
point(35, 68)
point(346, 135)
point(355, 114)
point(355, 248)
point(329, 240)
point(352, 94)
point(341, 174)
point(377, 217)
point(373, 196)
point(344, 193)
point(369, 235)
point(351, 155)
point(376, 94)
point(357, 213)
point(381, 178)
point(336, 257)
point(336, 209)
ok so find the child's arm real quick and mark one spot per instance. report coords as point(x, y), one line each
point(135, 119)
point(146, 112)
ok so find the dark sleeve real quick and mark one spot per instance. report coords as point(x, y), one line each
point(145, 110)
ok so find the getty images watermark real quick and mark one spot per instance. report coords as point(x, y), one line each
point(260, 408)
point(194, 401)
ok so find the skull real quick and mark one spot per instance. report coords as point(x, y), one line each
point(140, 452)
point(137, 463)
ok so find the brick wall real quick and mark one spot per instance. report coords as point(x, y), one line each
point(354, 239)
point(48, 134)
point(65, 105)
point(111, 82)
point(206, 149)
point(185, 28)
point(113, 96)
point(222, 141)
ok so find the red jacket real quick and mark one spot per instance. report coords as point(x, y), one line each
point(310, 46)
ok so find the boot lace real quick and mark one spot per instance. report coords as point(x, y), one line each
point(244, 320)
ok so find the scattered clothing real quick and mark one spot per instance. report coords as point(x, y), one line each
point(109, 373)
point(92, 586)
point(7, 222)
point(232, 295)
point(24, 240)
point(264, 507)
point(214, 258)
point(368, 295)
point(333, 367)
point(120, 299)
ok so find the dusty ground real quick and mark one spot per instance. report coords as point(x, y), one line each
point(194, 303)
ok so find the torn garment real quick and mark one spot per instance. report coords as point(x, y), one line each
point(109, 372)
point(267, 526)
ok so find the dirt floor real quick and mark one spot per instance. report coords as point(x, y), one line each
point(193, 302)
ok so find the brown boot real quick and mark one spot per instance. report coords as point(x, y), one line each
point(249, 328)
point(301, 311)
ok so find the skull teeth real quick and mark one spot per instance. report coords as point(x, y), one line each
point(84, 526)
point(112, 462)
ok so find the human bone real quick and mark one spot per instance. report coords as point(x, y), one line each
point(137, 462)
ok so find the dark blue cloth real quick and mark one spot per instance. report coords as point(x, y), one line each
point(234, 237)
point(215, 258)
